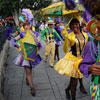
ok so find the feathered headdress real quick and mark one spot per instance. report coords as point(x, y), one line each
point(70, 4)
point(92, 6)
point(27, 15)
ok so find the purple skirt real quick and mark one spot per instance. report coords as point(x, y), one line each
point(20, 61)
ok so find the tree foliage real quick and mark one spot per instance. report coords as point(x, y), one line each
point(9, 6)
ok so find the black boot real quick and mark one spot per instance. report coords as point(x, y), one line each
point(82, 89)
point(67, 94)
point(33, 92)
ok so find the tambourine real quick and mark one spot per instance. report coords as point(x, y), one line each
point(94, 28)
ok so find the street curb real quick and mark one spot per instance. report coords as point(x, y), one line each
point(3, 62)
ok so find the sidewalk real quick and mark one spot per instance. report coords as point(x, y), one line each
point(48, 83)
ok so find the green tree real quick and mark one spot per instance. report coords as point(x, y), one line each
point(13, 7)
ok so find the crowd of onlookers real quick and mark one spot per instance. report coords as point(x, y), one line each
point(43, 25)
point(6, 22)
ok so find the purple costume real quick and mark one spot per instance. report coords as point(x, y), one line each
point(58, 42)
point(20, 61)
point(88, 58)
point(8, 32)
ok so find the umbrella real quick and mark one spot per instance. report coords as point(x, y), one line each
point(58, 9)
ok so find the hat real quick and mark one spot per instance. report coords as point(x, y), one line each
point(50, 22)
point(57, 22)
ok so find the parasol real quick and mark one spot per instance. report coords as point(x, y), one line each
point(59, 9)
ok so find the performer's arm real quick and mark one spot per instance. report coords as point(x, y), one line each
point(88, 65)
point(57, 35)
point(67, 41)
point(37, 35)
point(14, 41)
point(43, 35)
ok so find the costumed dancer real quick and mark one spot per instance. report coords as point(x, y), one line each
point(19, 28)
point(68, 66)
point(28, 57)
point(91, 61)
point(57, 41)
point(94, 28)
point(48, 36)
point(83, 27)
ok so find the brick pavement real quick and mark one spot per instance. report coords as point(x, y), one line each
point(48, 83)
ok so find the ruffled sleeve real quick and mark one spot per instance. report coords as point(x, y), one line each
point(88, 59)
point(36, 33)
point(22, 34)
point(65, 35)
point(71, 37)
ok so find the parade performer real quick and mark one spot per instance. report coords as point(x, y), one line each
point(28, 57)
point(9, 31)
point(19, 29)
point(83, 27)
point(57, 41)
point(68, 66)
point(48, 36)
point(91, 56)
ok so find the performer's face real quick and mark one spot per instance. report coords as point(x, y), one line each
point(57, 25)
point(21, 24)
point(50, 25)
point(75, 27)
point(84, 28)
point(27, 27)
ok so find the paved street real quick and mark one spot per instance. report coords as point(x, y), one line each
point(48, 83)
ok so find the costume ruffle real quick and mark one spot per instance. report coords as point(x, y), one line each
point(69, 66)
point(20, 61)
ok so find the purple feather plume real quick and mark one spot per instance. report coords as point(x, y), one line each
point(29, 16)
point(70, 4)
point(58, 19)
point(86, 16)
point(92, 6)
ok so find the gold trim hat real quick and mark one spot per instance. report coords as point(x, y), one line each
point(50, 22)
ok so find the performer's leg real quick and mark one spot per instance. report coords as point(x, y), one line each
point(52, 54)
point(57, 52)
point(82, 87)
point(68, 89)
point(29, 78)
point(73, 88)
point(47, 51)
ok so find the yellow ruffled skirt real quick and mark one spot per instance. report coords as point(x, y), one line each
point(69, 66)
